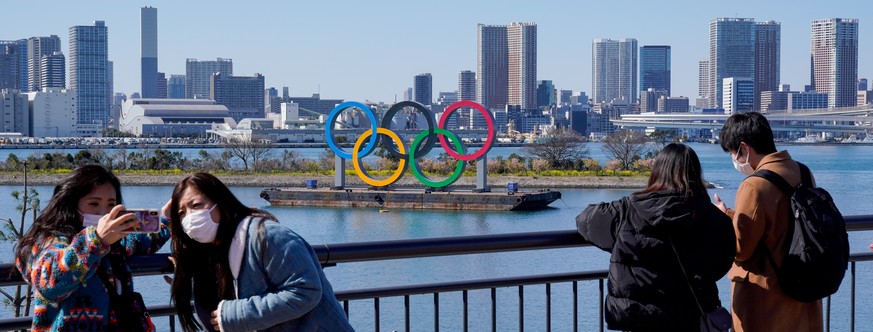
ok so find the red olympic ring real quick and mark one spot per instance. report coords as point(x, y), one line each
point(489, 119)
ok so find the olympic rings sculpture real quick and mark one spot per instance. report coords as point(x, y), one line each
point(420, 146)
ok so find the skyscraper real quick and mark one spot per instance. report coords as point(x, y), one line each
point(738, 95)
point(13, 53)
point(176, 87)
point(835, 60)
point(53, 71)
point(492, 66)
point(546, 93)
point(522, 79)
point(614, 70)
point(423, 85)
point(467, 85)
point(731, 53)
point(703, 93)
point(37, 47)
point(242, 95)
point(767, 53)
point(161, 85)
point(655, 68)
point(198, 75)
point(148, 25)
point(89, 57)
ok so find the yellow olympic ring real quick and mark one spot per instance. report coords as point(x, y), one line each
point(356, 162)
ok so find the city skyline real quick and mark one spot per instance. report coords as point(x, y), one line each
point(312, 47)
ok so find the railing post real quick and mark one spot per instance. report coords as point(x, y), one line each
point(376, 307)
point(493, 309)
point(520, 308)
point(575, 306)
point(466, 320)
point(436, 312)
point(406, 311)
point(601, 305)
point(852, 321)
point(548, 307)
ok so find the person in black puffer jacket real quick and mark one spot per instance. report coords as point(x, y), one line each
point(647, 291)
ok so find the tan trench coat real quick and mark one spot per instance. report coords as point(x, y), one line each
point(762, 215)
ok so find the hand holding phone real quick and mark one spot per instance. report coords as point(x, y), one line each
point(148, 221)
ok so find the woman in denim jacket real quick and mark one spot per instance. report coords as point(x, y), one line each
point(244, 270)
point(75, 254)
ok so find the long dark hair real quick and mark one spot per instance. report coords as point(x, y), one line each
point(201, 267)
point(677, 168)
point(60, 216)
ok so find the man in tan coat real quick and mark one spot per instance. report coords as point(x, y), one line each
point(761, 219)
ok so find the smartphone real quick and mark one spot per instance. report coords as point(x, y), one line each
point(149, 221)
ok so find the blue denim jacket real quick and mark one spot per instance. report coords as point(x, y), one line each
point(281, 286)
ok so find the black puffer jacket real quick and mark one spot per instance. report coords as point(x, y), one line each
point(647, 291)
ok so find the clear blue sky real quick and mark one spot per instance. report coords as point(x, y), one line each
point(358, 50)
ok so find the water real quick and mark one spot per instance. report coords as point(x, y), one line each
point(843, 170)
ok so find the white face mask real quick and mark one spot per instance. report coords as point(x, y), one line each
point(199, 226)
point(744, 168)
point(90, 219)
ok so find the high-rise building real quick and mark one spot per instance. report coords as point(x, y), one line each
point(148, 25)
point(862, 84)
point(13, 64)
point(767, 53)
point(522, 79)
point(407, 94)
point(37, 47)
point(242, 95)
point(703, 97)
point(835, 60)
point(655, 68)
point(162, 85)
point(614, 70)
point(89, 72)
point(176, 87)
point(649, 99)
point(738, 95)
point(423, 84)
point(198, 75)
point(546, 93)
point(492, 66)
point(731, 53)
point(467, 85)
point(53, 71)
point(564, 96)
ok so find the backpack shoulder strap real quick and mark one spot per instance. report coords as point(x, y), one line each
point(776, 179)
point(805, 175)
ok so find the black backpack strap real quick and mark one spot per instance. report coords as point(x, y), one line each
point(805, 175)
point(777, 179)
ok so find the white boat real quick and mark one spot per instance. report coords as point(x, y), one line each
point(808, 139)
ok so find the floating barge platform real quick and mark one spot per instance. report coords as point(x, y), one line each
point(411, 198)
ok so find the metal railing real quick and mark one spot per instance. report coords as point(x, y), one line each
point(332, 254)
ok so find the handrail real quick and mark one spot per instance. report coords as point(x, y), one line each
point(331, 254)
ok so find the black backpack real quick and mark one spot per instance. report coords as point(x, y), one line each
point(818, 245)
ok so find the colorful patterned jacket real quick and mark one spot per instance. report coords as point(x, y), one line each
point(68, 293)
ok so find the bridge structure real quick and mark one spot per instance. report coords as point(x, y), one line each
point(832, 120)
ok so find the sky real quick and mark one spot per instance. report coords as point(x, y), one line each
point(370, 50)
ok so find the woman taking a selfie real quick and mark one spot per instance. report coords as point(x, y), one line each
point(75, 253)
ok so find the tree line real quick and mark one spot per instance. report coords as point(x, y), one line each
point(560, 149)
